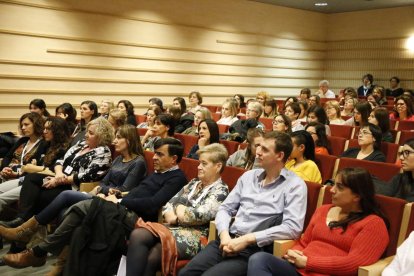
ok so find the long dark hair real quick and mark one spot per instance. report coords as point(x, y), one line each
point(320, 114)
point(92, 106)
point(39, 103)
point(382, 116)
point(67, 109)
point(364, 108)
point(302, 137)
point(406, 182)
point(250, 157)
point(60, 141)
point(360, 182)
point(129, 132)
point(213, 129)
point(323, 140)
point(37, 121)
point(128, 106)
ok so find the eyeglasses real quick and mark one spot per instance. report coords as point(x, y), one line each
point(251, 110)
point(364, 133)
point(400, 104)
point(405, 153)
point(275, 122)
point(312, 133)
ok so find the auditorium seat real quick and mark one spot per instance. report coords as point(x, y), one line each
point(341, 131)
point(337, 145)
point(140, 118)
point(148, 160)
point(223, 128)
point(326, 165)
point(404, 136)
point(188, 141)
point(215, 116)
point(384, 171)
point(189, 167)
point(141, 131)
point(267, 122)
point(405, 125)
point(313, 196)
point(230, 175)
point(393, 124)
point(390, 150)
point(231, 146)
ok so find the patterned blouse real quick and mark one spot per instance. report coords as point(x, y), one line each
point(202, 206)
point(89, 167)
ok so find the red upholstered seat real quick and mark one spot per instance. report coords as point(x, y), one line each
point(189, 167)
point(230, 175)
point(337, 145)
point(341, 131)
point(188, 141)
point(313, 195)
point(326, 165)
point(231, 146)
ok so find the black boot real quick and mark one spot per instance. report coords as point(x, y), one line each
point(13, 223)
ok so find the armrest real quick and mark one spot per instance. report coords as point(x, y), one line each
point(376, 268)
point(87, 187)
point(212, 231)
point(280, 247)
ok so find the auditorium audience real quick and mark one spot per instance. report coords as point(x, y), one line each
point(303, 111)
point(163, 127)
point(200, 115)
point(318, 133)
point(152, 112)
point(369, 140)
point(380, 118)
point(126, 171)
point(288, 101)
point(194, 102)
point(367, 85)
point(128, 107)
point(143, 201)
point(302, 159)
point(106, 107)
point(266, 204)
point(292, 111)
point(39, 106)
point(117, 118)
point(401, 185)
point(156, 102)
point(395, 90)
point(361, 114)
point(208, 133)
point(333, 111)
point(350, 232)
point(314, 100)
point(187, 215)
point(228, 112)
point(282, 123)
point(67, 112)
point(262, 97)
point(246, 158)
point(404, 109)
point(324, 91)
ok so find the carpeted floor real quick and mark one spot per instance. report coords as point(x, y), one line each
point(29, 271)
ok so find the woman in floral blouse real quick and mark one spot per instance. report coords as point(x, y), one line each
point(187, 215)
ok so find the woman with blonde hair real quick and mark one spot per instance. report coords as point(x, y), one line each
point(117, 118)
point(106, 107)
point(333, 110)
point(228, 112)
point(200, 115)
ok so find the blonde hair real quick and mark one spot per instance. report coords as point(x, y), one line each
point(218, 154)
point(334, 104)
point(119, 116)
point(104, 131)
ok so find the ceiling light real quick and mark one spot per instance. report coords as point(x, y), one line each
point(321, 4)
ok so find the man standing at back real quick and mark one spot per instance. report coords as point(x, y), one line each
point(268, 204)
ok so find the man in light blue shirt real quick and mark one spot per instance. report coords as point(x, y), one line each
point(268, 204)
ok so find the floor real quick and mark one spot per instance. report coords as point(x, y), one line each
point(32, 271)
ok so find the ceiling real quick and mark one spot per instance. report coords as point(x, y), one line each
point(337, 6)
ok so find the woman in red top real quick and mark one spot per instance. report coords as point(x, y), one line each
point(341, 236)
point(404, 109)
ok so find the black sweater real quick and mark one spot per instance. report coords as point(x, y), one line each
point(154, 192)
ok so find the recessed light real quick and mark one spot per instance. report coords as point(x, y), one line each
point(321, 4)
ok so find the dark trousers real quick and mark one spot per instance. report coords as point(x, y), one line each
point(33, 197)
point(61, 202)
point(210, 261)
point(265, 264)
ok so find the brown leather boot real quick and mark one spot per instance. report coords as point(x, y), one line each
point(24, 259)
point(58, 267)
point(22, 233)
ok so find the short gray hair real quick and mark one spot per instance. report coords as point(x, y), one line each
point(324, 82)
point(218, 154)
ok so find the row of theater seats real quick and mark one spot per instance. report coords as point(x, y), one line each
point(398, 130)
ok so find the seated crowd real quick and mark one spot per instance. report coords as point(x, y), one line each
point(164, 216)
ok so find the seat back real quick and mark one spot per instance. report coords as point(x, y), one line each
point(188, 141)
point(393, 124)
point(326, 165)
point(140, 118)
point(313, 195)
point(393, 209)
point(189, 167)
point(337, 145)
point(404, 136)
point(230, 175)
point(405, 125)
point(267, 122)
point(223, 128)
point(141, 131)
point(148, 160)
point(215, 116)
point(231, 146)
point(390, 150)
point(384, 171)
point(341, 131)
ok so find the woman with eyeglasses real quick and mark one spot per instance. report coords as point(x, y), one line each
point(369, 140)
point(282, 123)
point(401, 185)
point(350, 232)
point(404, 110)
point(302, 158)
point(333, 110)
point(318, 133)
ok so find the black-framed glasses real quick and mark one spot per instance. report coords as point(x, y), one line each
point(275, 122)
point(405, 153)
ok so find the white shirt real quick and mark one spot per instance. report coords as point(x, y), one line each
point(403, 263)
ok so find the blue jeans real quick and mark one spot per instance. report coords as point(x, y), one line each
point(265, 264)
point(62, 201)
